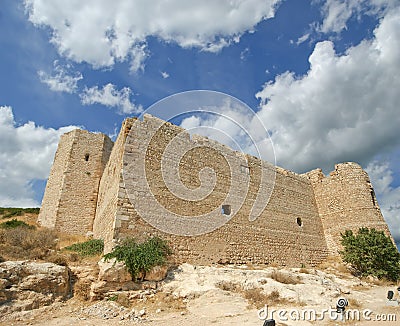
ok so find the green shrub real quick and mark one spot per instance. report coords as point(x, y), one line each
point(14, 223)
point(140, 258)
point(371, 252)
point(91, 247)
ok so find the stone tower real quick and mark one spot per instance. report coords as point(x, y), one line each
point(70, 198)
point(346, 201)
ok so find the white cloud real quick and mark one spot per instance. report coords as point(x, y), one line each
point(388, 196)
point(138, 55)
point(111, 97)
point(303, 39)
point(345, 108)
point(191, 122)
point(62, 81)
point(27, 152)
point(232, 123)
point(102, 32)
point(338, 12)
point(244, 54)
point(164, 74)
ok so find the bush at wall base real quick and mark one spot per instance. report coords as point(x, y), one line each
point(140, 258)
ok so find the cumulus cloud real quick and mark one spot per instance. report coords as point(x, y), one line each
point(111, 97)
point(102, 33)
point(388, 196)
point(232, 123)
point(27, 152)
point(62, 80)
point(344, 108)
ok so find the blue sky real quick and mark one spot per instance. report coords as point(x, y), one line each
point(324, 77)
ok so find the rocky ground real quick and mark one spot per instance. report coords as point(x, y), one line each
point(224, 295)
point(88, 292)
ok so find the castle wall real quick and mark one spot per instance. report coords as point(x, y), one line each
point(111, 181)
point(345, 200)
point(69, 203)
point(275, 237)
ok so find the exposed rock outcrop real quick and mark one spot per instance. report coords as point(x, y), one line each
point(113, 276)
point(28, 285)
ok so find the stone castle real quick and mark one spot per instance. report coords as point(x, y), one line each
point(94, 186)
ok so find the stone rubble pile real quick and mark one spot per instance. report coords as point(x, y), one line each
point(111, 310)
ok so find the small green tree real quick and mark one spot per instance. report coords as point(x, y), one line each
point(140, 258)
point(371, 252)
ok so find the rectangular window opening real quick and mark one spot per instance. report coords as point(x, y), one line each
point(226, 209)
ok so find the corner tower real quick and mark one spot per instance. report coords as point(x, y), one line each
point(70, 198)
point(346, 201)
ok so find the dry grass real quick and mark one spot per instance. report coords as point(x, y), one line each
point(82, 289)
point(330, 262)
point(342, 268)
point(40, 243)
point(123, 300)
point(285, 278)
point(358, 287)
point(229, 286)
point(258, 299)
point(379, 282)
point(336, 266)
point(354, 303)
point(63, 259)
point(66, 240)
point(274, 297)
point(25, 243)
point(304, 270)
point(255, 296)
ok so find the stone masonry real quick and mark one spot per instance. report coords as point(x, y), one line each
point(105, 194)
point(345, 200)
point(70, 198)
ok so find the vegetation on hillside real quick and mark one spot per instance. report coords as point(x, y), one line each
point(140, 258)
point(6, 212)
point(14, 223)
point(21, 242)
point(371, 252)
